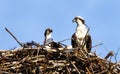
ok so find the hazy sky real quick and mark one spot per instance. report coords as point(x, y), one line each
point(27, 20)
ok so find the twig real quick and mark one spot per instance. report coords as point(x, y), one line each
point(64, 40)
point(68, 70)
point(97, 45)
point(84, 53)
point(13, 37)
point(88, 70)
point(109, 54)
point(38, 70)
point(0, 70)
point(116, 55)
point(75, 67)
point(103, 72)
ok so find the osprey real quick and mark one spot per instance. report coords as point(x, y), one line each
point(47, 35)
point(81, 37)
point(49, 40)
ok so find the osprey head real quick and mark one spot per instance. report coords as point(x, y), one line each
point(48, 31)
point(78, 18)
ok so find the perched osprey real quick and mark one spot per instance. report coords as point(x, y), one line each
point(48, 36)
point(49, 40)
point(81, 36)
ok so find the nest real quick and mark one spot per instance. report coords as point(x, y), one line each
point(54, 61)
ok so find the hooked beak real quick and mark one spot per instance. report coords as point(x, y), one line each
point(51, 30)
point(73, 20)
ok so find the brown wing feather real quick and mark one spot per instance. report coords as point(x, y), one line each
point(73, 41)
point(88, 42)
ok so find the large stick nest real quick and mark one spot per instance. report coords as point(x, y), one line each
point(54, 61)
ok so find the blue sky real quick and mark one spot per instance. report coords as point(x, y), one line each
point(27, 20)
